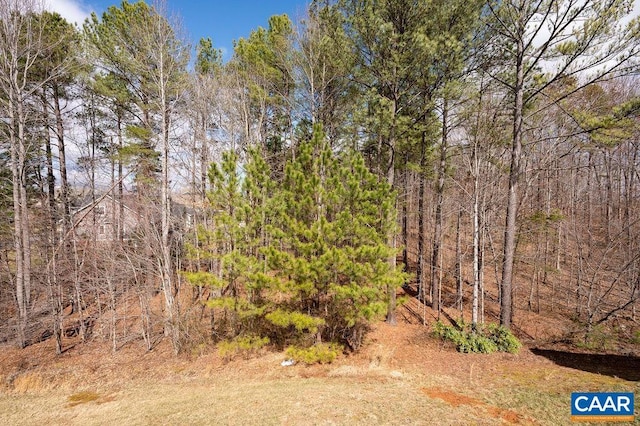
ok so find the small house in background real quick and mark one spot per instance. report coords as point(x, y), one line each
point(106, 219)
point(182, 216)
point(184, 209)
point(109, 217)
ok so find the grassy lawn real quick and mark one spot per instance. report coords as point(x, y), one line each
point(336, 395)
point(294, 401)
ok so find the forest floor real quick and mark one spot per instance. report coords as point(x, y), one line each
point(401, 376)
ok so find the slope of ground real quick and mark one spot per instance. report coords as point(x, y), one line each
point(402, 376)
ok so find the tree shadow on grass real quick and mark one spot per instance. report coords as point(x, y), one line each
point(621, 366)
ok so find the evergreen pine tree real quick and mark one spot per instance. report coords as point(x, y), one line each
point(333, 220)
point(306, 261)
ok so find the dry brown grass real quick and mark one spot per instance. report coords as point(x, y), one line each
point(292, 401)
point(28, 382)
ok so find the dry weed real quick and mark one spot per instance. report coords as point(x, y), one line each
point(380, 356)
point(30, 382)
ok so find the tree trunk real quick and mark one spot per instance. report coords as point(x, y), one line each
point(53, 284)
point(421, 223)
point(391, 238)
point(405, 224)
point(64, 183)
point(437, 231)
point(459, 281)
point(166, 269)
point(512, 196)
point(204, 162)
point(120, 221)
point(22, 233)
point(476, 235)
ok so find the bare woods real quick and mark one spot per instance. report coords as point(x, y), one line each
point(505, 136)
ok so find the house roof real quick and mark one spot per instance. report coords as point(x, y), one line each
point(87, 202)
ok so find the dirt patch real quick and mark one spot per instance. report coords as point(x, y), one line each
point(457, 400)
point(82, 398)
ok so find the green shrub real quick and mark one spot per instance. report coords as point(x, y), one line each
point(245, 345)
point(489, 339)
point(321, 353)
point(503, 338)
point(477, 343)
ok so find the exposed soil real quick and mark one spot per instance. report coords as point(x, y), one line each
point(456, 400)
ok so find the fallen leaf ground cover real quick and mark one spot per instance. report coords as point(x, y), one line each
point(402, 376)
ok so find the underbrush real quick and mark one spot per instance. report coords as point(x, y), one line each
point(241, 346)
point(484, 338)
point(620, 335)
point(598, 338)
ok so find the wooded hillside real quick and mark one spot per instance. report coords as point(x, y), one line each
point(483, 155)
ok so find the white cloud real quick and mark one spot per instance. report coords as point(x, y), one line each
point(74, 11)
point(225, 52)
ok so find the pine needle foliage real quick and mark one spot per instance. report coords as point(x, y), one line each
point(321, 353)
point(302, 261)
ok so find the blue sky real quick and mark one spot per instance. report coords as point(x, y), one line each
point(223, 21)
